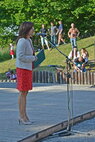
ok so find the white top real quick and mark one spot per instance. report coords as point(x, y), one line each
point(85, 57)
point(24, 54)
point(74, 57)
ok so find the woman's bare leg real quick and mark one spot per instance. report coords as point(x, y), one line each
point(22, 105)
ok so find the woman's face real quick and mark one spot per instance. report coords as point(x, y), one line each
point(82, 51)
point(30, 34)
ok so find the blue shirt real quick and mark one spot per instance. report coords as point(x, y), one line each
point(43, 31)
point(60, 27)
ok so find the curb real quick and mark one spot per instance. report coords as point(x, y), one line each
point(58, 127)
point(7, 80)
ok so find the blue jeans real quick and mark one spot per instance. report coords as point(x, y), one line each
point(73, 42)
point(53, 39)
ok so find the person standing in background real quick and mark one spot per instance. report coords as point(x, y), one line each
point(53, 33)
point(44, 37)
point(73, 56)
point(24, 59)
point(73, 33)
point(12, 50)
point(60, 33)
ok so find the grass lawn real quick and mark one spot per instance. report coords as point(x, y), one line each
point(53, 57)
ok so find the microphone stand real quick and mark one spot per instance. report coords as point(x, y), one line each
point(93, 86)
point(68, 75)
point(68, 131)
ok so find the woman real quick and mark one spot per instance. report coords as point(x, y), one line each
point(24, 59)
point(84, 54)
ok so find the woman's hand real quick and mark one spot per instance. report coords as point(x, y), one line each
point(36, 58)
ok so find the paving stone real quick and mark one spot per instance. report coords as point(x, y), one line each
point(46, 106)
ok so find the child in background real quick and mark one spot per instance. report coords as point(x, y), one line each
point(8, 73)
point(12, 50)
point(13, 76)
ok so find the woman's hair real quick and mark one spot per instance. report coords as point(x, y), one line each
point(85, 51)
point(24, 29)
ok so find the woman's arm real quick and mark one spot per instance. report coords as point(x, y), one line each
point(21, 53)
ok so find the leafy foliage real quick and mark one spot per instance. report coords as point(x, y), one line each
point(14, 12)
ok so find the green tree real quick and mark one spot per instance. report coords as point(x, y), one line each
point(14, 12)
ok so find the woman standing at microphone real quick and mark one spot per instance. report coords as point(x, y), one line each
point(24, 59)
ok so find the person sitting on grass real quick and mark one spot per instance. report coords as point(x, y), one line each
point(84, 54)
point(8, 73)
point(13, 76)
point(74, 53)
point(79, 65)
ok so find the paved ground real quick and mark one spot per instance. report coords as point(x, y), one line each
point(83, 132)
point(47, 105)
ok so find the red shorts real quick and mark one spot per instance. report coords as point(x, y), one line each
point(24, 79)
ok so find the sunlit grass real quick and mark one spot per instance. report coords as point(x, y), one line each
point(53, 57)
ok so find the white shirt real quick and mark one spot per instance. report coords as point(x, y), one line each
point(74, 56)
